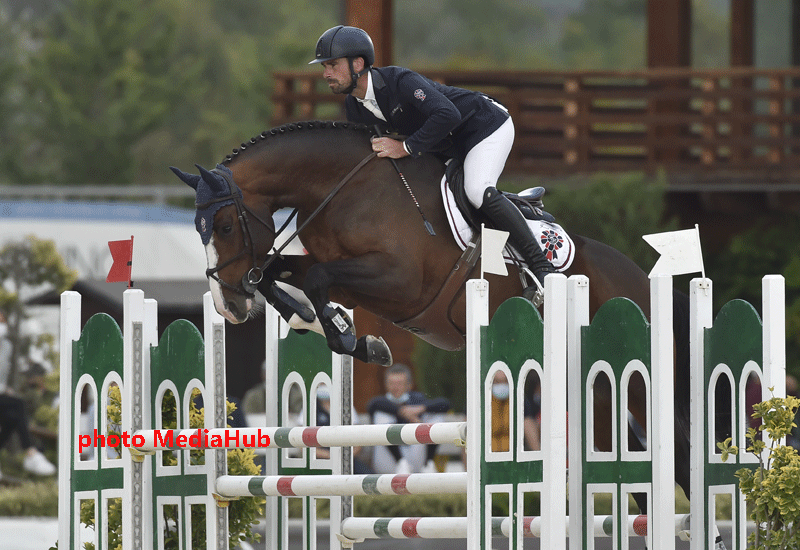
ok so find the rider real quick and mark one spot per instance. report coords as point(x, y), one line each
point(468, 125)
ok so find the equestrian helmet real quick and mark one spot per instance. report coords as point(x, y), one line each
point(341, 41)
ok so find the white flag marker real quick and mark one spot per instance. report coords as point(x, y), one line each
point(680, 252)
point(492, 244)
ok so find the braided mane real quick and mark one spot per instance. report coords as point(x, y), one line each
point(293, 126)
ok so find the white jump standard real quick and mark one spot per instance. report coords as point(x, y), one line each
point(516, 342)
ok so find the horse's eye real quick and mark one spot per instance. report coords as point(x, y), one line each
point(226, 229)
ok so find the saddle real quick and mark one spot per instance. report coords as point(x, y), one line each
point(437, 317)
point(529, 202)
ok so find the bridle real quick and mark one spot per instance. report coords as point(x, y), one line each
point(255, 274)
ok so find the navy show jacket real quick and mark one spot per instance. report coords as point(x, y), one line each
point(428, 112)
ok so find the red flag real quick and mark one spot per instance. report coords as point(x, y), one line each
point(122, 254)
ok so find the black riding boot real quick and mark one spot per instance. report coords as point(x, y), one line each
point(506, 217)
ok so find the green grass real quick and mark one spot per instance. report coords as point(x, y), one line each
point(31, 498)
point(35, 496)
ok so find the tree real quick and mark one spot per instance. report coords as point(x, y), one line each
point(614, 209)
point(24, 266)
point(12, 63)
point(612, 34)
point(470, 34)
point(124, 89)
point(606, 34)
point(102, 80)
point(738, 269)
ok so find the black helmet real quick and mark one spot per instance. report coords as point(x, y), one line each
point(341, 41)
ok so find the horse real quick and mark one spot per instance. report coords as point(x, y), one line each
point(375, 242)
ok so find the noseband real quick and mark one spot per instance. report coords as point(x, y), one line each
point(255, 274)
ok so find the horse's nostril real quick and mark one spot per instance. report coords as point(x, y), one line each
point(233, 308)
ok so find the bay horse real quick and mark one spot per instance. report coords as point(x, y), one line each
point(368, 247)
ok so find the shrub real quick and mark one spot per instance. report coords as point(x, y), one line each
point(772, 490)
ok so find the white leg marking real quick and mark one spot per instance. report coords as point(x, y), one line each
point(295, 321)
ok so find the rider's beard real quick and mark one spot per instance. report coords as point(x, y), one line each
point(338, 87)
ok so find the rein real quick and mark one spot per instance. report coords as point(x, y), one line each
point(255, 274)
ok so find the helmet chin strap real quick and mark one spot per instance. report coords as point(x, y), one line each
point(354, 76)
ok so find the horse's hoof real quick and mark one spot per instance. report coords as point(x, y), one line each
point(373, 350)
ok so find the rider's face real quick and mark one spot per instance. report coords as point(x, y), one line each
point(336, 73)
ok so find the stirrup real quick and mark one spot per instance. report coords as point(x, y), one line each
point(535, 292)
point(534, 295)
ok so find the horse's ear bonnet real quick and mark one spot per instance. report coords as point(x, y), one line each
point(213, 192)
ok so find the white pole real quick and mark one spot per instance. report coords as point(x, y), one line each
point(773, 293)
point(700, 319)
point(136, 487)
point(477, 316)
point(662, 413)
point(69, 412)
point(577, 317)
point(343, 485)
point(272, 391)
point(554, 414)
point(215, 416)
point(363, 435)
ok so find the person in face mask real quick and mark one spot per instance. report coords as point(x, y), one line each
point(402, 405)
point(501, 416)
point(12, 414)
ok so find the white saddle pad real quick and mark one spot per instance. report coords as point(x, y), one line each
point(554, 241)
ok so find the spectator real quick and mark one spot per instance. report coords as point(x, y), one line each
point(324, 419)
point(401, 405)
point(501, 417)
point(12, 414)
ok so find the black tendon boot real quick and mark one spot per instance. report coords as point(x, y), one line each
point(505, 217)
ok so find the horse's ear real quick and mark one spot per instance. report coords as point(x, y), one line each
point(213, 180)
point(189, 179)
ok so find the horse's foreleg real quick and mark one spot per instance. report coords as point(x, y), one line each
point(299, 315)
point(362, 274)
point(292, 305)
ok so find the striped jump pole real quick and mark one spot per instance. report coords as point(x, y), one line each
point(343, 485)
point(318, 436)
point(456, 528)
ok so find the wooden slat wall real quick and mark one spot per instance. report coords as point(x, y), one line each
point(738, 119)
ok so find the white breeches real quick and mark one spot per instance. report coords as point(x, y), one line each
point(485, 162)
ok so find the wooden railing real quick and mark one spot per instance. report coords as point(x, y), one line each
point(737, 124)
